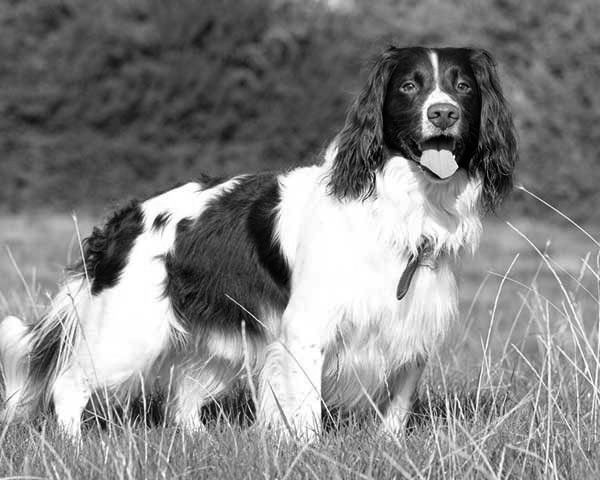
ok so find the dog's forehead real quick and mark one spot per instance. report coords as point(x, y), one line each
point(411, 60)
point(454, 58)
point(432, 62)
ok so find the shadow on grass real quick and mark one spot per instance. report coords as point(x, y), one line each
point(463, 406)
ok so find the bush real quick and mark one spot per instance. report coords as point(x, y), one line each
point(103, 100)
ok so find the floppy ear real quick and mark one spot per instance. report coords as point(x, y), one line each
point(496, 153)
point(360, 147)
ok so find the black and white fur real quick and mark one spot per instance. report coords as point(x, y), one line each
point(291, 276)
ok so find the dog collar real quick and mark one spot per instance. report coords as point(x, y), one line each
point(424, 257)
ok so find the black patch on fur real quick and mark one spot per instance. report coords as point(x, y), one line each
point(261, 225)
point(207, 181)
point(161, 220)
point(360, 143)
point(229, 251)
point(204, 182)
point(107, 249)
point(497, 152)
point(43, 359)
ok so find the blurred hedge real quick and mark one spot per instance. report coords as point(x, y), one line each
point(101, 100)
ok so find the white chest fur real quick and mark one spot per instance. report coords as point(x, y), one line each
point(347, 258)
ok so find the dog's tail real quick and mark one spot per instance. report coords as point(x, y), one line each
point(31, 357)
point(14, 354)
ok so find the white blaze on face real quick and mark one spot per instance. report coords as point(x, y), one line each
point(436, 156)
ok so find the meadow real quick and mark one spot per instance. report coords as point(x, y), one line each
point(513, 394)
point(100, 101)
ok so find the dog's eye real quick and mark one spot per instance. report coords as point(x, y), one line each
point(463, 87)
point(408, 87)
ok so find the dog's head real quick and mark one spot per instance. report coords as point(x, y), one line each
point(441, 108)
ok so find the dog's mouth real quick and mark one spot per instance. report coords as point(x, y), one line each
point(437, 157)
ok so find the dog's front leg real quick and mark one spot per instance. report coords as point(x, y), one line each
point(291, 379)
point(403, 397)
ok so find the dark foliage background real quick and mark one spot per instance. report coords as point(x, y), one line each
point(105, 100)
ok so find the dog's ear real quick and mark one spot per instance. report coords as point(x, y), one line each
point(360, 147)
point(496, 153)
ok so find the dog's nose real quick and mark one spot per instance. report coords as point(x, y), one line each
point(443, 115)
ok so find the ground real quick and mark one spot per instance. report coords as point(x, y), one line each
point(513, 393)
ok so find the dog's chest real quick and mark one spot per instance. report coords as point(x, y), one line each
point(347, 260)
point(376, 335)
point(369, 304)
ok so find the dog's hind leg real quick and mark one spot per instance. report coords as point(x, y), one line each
point(70, 395)
point(122, 335)
point(190, 397)
point(14, 352)
point(198, 386)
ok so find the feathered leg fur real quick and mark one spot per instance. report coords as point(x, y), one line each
point(14, 354)
point(34, 357)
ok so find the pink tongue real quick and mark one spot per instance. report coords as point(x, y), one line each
point(440, 162)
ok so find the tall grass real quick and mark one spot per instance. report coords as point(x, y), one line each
point(518, 399)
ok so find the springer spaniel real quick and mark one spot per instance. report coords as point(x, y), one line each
point(326, 284)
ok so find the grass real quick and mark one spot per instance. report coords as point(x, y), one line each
point(99, 99)
point(514, 394)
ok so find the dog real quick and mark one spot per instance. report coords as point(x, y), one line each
point(326, 285)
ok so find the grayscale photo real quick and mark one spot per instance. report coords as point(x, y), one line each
point(289, 239)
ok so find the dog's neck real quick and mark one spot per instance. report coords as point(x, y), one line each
point(409, 206)
point(413, 207)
